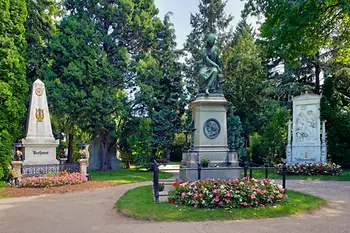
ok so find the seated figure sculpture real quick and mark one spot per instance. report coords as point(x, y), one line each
point(211, 74)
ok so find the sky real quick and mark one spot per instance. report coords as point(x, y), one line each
point(181, 14)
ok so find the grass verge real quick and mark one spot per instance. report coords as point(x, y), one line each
point(138, 203)
point(2, 186)
point(127, 176)
point(260, 174)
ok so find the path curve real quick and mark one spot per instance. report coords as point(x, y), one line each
point(93, 211)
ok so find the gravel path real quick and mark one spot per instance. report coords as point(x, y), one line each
point(93, 211)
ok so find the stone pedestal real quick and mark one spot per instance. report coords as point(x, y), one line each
point(83, 166)
point(209, 139)
point(39, 144)
point(17, 165)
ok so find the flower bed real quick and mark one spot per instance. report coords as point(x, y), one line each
point(53, 180)
point(311, 169)
point(236, 193)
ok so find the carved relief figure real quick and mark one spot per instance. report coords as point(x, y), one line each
point(306, 126)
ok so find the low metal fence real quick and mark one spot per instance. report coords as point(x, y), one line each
point(37, 170)
point(247, 166)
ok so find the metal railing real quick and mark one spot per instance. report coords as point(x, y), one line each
point(37, 170)
point(199, 169)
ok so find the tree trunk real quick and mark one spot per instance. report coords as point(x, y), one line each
point(70, 147)
point(105, 158)
point(317, 73)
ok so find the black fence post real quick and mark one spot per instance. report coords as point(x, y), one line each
point(284, 169)
point(266, 170)
point(245, 168)
point(250, 169)
point(199, 171)
point(156, 181)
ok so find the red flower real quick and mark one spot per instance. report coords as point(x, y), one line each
point(175, 184)
point(182, 181)
point(171, 201)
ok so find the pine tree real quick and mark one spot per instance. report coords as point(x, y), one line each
point(160, 82)
point(210, 19)
point(13, 87)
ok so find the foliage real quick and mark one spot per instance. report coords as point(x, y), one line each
point(39, 26)
point(273, 130)
point(338, 124)
point(138, 203)
point(244, 74)
point(177, 147)
point(135, 143)
point(234, 131)
point(303, 33)
point(13, 87)
point(210, 19)
point(205, 161)
point(238, 193)
point(311, 169)
point(59, 179)
point(161, 93)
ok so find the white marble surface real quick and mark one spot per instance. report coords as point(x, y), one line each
point(306, 140)
point(40, 144)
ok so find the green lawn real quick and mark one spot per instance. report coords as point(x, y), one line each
point(260, 173)
point(2, 186)
point(138, 203)
point(127, 176)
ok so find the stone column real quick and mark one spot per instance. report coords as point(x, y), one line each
point(83, 166)
point(289, 144)
point(17, 165)
point(324, 144)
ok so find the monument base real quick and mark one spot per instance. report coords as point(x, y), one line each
point(218, 162)
point(40, 153)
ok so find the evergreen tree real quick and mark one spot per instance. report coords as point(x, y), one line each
point(244, 78)
point(210, 19)
point(159, 79)
point(338, 124)
point(40, 26)
point(13, 87)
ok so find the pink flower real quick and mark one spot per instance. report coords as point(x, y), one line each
point(183, 195)
point(244, 203)
point(252, 196)
point(216, 199)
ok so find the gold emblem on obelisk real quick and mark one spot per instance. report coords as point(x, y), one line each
point(39, 114)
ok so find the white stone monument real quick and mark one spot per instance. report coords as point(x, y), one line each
point(209, 139)
point(39, 144)
point(306, 146)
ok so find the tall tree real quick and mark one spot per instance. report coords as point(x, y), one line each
point(295, 29)
point(13, 87)
point(117, 32)
point(40, 25)
point(210, 19)
point(160, 82)
point(244, 74)
point(338, 123)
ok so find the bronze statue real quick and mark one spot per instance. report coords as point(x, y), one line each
point(211, 73)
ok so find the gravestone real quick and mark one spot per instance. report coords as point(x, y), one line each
point(304, 142)
point(39, 144)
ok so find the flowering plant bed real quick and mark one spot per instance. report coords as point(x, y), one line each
point(311, 169)
point(53, 180)
point(230, 194)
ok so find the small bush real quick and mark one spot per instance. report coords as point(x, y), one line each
point(59, 179)
point(311, 169)
point(236, 193)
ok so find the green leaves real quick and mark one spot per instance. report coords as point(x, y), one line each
point(13, 87)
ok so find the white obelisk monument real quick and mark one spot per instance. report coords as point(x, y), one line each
point(39, 144)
